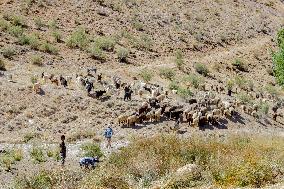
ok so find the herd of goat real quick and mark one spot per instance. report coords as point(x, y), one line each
point(197, 112)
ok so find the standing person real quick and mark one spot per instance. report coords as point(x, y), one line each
point(108, 134)
point(62, 150)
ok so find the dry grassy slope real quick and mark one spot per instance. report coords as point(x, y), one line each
point(212, 32)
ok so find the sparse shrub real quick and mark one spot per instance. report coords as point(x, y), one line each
point(78, 38)
point(184, 92)
point(278, 59)
point(146, 75)
point(36, 60)
point(37, 154)
point(34, 79)
point(91, 150)
point(80, 135)
point(122, 54)
point(2, 65)
point(49, 48)
point(10, 157)
point(244, 98)
point(53, 153)
point(18, 20)
point(39, 23)
point(239, 65)
point(167, 73)
point(241, 82)
point(31, 40)
point(179, 59)
point(138, 25)
point(4, 25)
point(30, 136)
point(194, 80)
point(105, 43)
point(272, 90)
point(52, 24)
point(264, 108)
point(173, 85)
point(201, 69)
point(230, 84)
point(144, 42)
point(16, 31)
point(57, 35)
point(8, 52)
point(97, 53)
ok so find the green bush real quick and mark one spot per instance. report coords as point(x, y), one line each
point(39, 23)
point(79, 38)
point(239, 65)
point(4, 25)
point(91, 150)
point(278, 59)
point(52, 24)
point(241, 82)
point(146, 75)
point(272, 90)
point(96, 52)
point(230, 84)
point(30, 136)
point(48, 48)
point(36, 60)
point(16, 31)
point(201, 69)
point(105, 43)
point(167, 73)
point(184, 92)
point(173, 85)
point(122, 54)
point(194, 80)
point(138, 25)
point(17, 20)
point(8, 52)
point(264, 108)
point(37, 154)
point(179, 59)
point(56, 35)
point(10, 157)
point(2, 65)
point(244, 98)
point(144, 42)
point(31, 40)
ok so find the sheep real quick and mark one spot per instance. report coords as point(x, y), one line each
point(140, 93)
point(202, 121)
point(216, 112)
point(195, 122)
point(69, 79)
point(99, 93)
point(249, 110)
point(254, 114)
point(189, 117)
point(227, 113)
point(37, 87)
point(232, 111)
point(215, 119)
point(255, 107)
point(131, 120)
point(150, 115)
point(244, 108)
point(122, 119)
point(209, 117)
point(161, 97)
point(158, 114)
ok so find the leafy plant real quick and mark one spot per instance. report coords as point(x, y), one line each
point(239, 65)
point(36, 60)
point(16, 31)
point(272, 90)
point(173, 85)
point(91, 150)
point(18, 20)
point(49, 48)
point(179, 59)
point(39, 23)
point(105, 43)
point(230, 84)
point(146, 75)
point(194, 80)
point(201, 69)
point(33, 80)
point(122, 54)
point(97, 53)
point(4, 25)
point(167, 73)
point(37, 154)
point(244, 98)
point(184, 92)
point(79, 38)
point(56, 35)
point(8, 52)
point(31, 40)
point(241, 82)
point(138, 25)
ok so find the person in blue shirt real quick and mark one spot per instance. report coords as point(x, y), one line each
point(108, 134)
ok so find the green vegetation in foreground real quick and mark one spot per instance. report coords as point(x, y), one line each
point(224, 162)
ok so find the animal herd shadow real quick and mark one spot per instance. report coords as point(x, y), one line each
point(237, 118)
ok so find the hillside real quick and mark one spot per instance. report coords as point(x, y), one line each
point(170, 43)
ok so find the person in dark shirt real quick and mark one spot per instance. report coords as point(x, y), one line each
point(62, 150)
